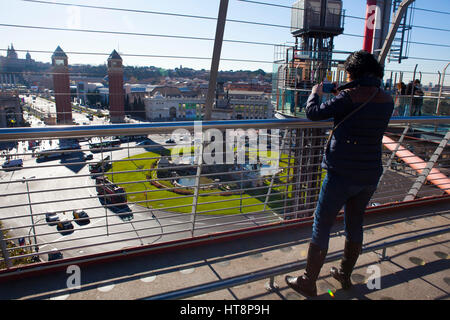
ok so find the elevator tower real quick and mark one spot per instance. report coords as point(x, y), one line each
point(314, 24)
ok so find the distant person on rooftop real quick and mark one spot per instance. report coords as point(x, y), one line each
point(361, 111)
point(399, 109)
point(417, 101)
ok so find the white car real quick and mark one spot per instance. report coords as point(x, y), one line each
point(88, 156)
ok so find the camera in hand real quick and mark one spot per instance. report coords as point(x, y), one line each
point(329, 87)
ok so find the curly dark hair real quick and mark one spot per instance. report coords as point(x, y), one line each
point(362, 63)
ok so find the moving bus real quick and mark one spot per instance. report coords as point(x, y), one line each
point(50, 154)
point(97, 169)
point(104, 145)
point(111, 192)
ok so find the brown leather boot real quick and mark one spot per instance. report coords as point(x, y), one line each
point(352, 251)
point(306, 284)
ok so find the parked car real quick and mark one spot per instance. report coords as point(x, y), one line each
point(65, 227)
point(145, 142)
point(171, 141)
point(13, 164)
point(51, 218)
point(123, 139)
point(55, 255)
point(375, 204)
point(139, 138)
point(81, 217)
point(88, 156)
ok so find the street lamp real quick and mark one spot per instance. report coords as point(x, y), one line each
point(240, 206)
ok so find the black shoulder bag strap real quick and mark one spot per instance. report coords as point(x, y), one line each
point(348, 116)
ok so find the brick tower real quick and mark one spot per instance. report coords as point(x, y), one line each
point(61, 86)
point(116, 92)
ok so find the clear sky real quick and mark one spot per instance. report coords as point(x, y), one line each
point(18, 12)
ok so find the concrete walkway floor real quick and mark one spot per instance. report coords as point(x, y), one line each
point(418, 270)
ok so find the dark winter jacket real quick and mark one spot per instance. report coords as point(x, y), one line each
point(355, 148)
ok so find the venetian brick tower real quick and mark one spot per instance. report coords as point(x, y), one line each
point(116, 92)
point(61, 87)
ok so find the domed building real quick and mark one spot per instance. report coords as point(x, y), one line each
point(12, 68)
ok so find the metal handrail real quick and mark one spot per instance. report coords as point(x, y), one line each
point(278, 270)
point(14, 134)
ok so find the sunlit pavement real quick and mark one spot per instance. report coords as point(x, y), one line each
point(412, 271)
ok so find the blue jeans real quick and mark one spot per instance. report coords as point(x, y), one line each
point(338, 192)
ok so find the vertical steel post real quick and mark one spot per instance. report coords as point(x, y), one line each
point(223, 8)
point(383, 254)
point(36, 248)
point(5, 251)
point(300, 169)
point(288, 175)
point(112, 168)
point(105, 196)
point(395, 84)
point(440, 88)
point(412, 92)
point(240, 192)
point(269, 191)
point(199, 160)
point(437, 103)
point(271, 285)
point(390, 82)
point(388, 164)
point(412, 193)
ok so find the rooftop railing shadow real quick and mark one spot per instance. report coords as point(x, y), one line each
point(125, 270)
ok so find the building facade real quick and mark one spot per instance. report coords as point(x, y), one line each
point(160, 108)
point(10, 110)
point(12, 68)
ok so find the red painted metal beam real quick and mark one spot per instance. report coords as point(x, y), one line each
point(369, 27)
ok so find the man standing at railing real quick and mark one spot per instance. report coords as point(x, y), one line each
point(417, 101)
point(361, 111)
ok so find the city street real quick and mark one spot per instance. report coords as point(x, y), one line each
point(61, 186)
point(49, 108)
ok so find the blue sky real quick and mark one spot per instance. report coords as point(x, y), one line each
point(19, 12)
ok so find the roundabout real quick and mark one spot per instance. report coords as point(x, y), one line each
point(151, 179)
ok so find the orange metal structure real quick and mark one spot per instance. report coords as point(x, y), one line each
point(435, 177)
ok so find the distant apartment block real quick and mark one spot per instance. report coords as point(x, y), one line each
point(160, 108)
point(249, 86)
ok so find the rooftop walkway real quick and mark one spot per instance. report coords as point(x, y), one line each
point(415, 270)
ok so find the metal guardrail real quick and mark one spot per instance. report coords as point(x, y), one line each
point(295, 100)
point(271, 273)
point(158, 208)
